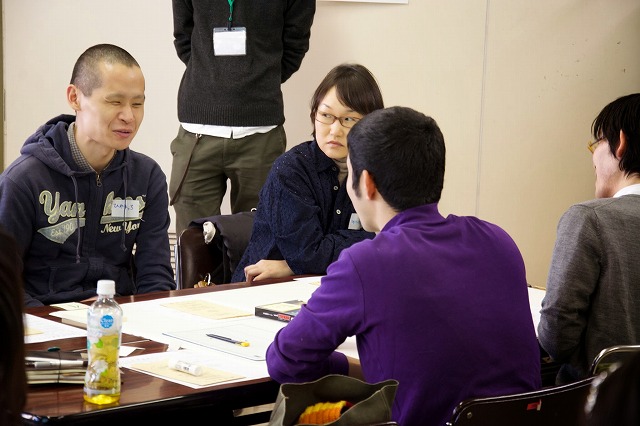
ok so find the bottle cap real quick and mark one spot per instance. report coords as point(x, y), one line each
point(106, 287)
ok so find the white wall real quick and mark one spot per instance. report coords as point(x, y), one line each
point(514, 85)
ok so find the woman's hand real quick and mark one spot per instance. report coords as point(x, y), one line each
point(264, 269)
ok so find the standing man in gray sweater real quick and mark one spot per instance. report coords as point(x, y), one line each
point(593, 290)
point(237, 55)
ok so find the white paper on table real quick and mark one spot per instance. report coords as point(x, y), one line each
point(151, 320)
point(77, 317)
point(258, 332)
point(349, 348)
point(315, 280)
point(535, 304)
point(45, 330)
point(249, 370)
point(127, 350)
point(69, 306)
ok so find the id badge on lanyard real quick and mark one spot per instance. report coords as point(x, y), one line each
point(229, 41)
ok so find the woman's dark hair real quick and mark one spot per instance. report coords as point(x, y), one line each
point(13, 380)
point(355, 86)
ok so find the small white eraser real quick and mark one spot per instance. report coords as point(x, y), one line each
point(186, 367)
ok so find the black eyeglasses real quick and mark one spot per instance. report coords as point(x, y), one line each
point(326, 118)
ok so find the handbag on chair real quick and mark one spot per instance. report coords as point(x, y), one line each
point(369, 403)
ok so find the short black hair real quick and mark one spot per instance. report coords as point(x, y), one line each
point(404, 152)
point(86, 74)
point(355, 86)
point(621, 114)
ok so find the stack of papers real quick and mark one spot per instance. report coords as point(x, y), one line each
point(55, 367)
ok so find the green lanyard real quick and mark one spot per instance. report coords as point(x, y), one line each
point(230, 14)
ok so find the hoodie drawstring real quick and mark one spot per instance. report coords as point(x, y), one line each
point(124, 221)
point(75, 190)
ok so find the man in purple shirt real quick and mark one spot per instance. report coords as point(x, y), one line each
point(439, 304)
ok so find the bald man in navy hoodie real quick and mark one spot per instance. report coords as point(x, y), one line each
point(78, 200)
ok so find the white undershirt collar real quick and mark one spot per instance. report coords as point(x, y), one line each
point(628, 190)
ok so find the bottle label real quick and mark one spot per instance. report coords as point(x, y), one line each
point(106, 321)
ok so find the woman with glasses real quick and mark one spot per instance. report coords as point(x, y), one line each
point(304, 216)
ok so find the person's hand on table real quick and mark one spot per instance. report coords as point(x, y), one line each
point(264, 269)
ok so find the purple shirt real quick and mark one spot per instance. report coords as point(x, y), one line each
point(441, 305)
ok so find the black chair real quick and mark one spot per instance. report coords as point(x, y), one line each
point(219, 258)
point(553, 406)
point(616, 391)
point(612, 355)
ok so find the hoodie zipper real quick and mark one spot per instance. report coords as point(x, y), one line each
point(98, 175)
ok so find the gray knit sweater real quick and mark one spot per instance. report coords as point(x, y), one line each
point(593, 290)
point(239, 90)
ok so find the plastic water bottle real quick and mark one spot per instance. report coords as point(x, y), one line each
point(104, 331)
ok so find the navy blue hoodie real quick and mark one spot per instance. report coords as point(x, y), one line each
point(62, 219)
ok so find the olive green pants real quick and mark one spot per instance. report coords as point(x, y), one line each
point(202, 166)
